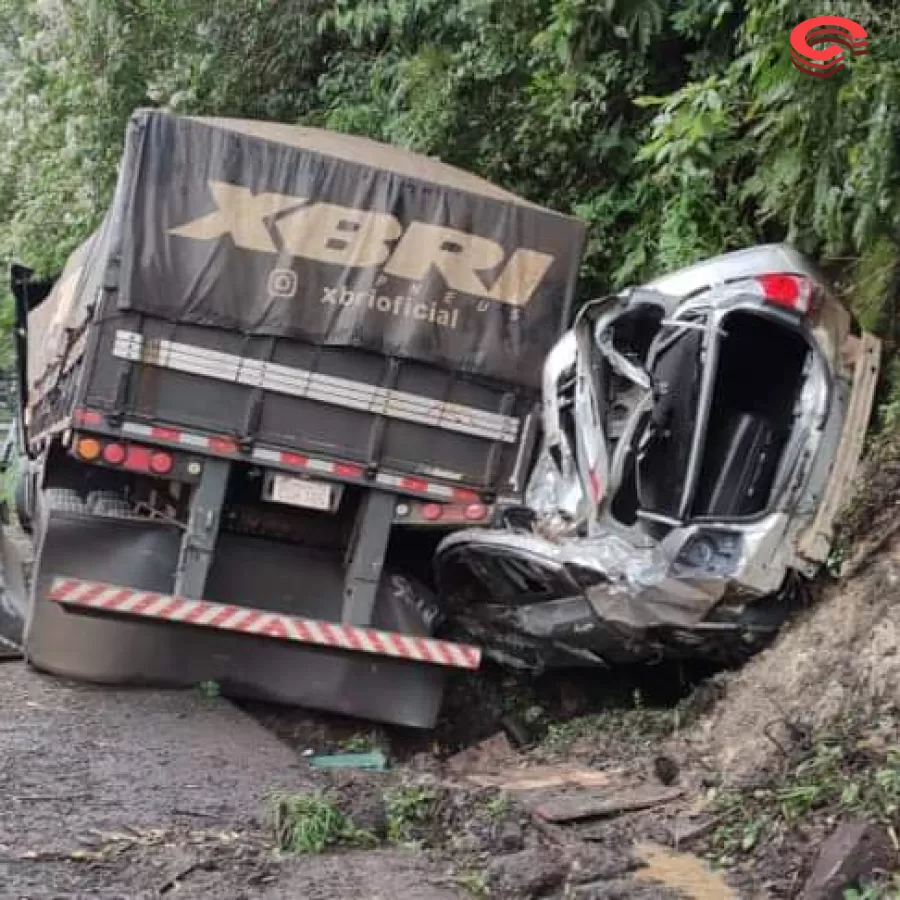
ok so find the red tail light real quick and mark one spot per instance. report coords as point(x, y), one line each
point(133, 457)
point(475, 512)
point(432, 511)
point(114, 454)
point(161, 463)
point(792, 292)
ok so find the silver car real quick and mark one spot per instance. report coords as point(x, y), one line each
point(700, 434)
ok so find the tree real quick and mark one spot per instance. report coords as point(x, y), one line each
point(676, 128)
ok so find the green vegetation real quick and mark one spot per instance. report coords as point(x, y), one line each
point(311, 823)
point(850, 770)
point(638, 726)
point(887, 889)
point(496, 806)
point(676, 128)
point(360, 743)
point(409, 810)
point(475, 884)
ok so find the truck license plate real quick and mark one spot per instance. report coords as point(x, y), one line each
point(302, 492)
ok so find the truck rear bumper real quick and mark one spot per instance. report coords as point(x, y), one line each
point(98, 597)
point(284, 582)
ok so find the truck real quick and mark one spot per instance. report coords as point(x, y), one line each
point(285, 359)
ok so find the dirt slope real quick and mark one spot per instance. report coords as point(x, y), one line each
point(842, 656)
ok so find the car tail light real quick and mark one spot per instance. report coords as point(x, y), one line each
point(114, 454)
point(792, 292)
point(161, 463)
point(88, 448)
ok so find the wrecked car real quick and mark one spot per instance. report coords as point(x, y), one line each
point(700, 434)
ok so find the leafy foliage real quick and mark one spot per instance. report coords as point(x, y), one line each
point(312, 823)
point(676, 128)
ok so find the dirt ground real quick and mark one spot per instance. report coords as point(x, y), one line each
point(138, 794)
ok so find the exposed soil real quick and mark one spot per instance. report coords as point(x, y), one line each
point(111, 793)
point(841, 656)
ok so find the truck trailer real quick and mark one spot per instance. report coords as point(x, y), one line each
point(283, 353)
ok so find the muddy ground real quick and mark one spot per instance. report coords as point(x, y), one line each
point(137, 794)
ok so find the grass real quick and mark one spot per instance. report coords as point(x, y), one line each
point(408, 811)
point(852, 771)
point(359, 743)
point(636, 725)
point(497, 806)
point(885, 889)
point(475, 884)
point(8, 481)
point(311, 823)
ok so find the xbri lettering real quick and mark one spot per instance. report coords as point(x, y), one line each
point(358, 238)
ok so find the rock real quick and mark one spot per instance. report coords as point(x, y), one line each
point(683, 833)
point(362, 801)
point(530, 873)
point(509, 836)
point(853, 851)
point(624, 889)
point(603, 864)
point(666, 769)
point(517, 731)
point(488, 753)
point(601, 804)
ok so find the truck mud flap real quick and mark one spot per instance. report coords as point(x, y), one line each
point(288, 648)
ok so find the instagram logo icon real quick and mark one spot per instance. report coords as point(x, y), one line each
point(840, 34)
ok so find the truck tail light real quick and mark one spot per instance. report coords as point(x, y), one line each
point(476, 512)
point(161, 463)
point(433, 511)
point(442, 514)
point(88, 449)
point(114, 454)
point(133, 457)
point(793, 292)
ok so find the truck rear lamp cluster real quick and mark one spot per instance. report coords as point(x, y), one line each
point(793, 292)
point(133, 457)
point(88, 449)
point(114, 454)
point(415, 513)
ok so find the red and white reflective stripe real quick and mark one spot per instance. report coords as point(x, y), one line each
point(412, 485)
point(213, 444)
point(310, 465)
point(129, 601)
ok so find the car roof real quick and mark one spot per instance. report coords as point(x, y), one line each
point(780, 258)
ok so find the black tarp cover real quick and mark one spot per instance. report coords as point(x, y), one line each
point(289, 231)
point(273, 229)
